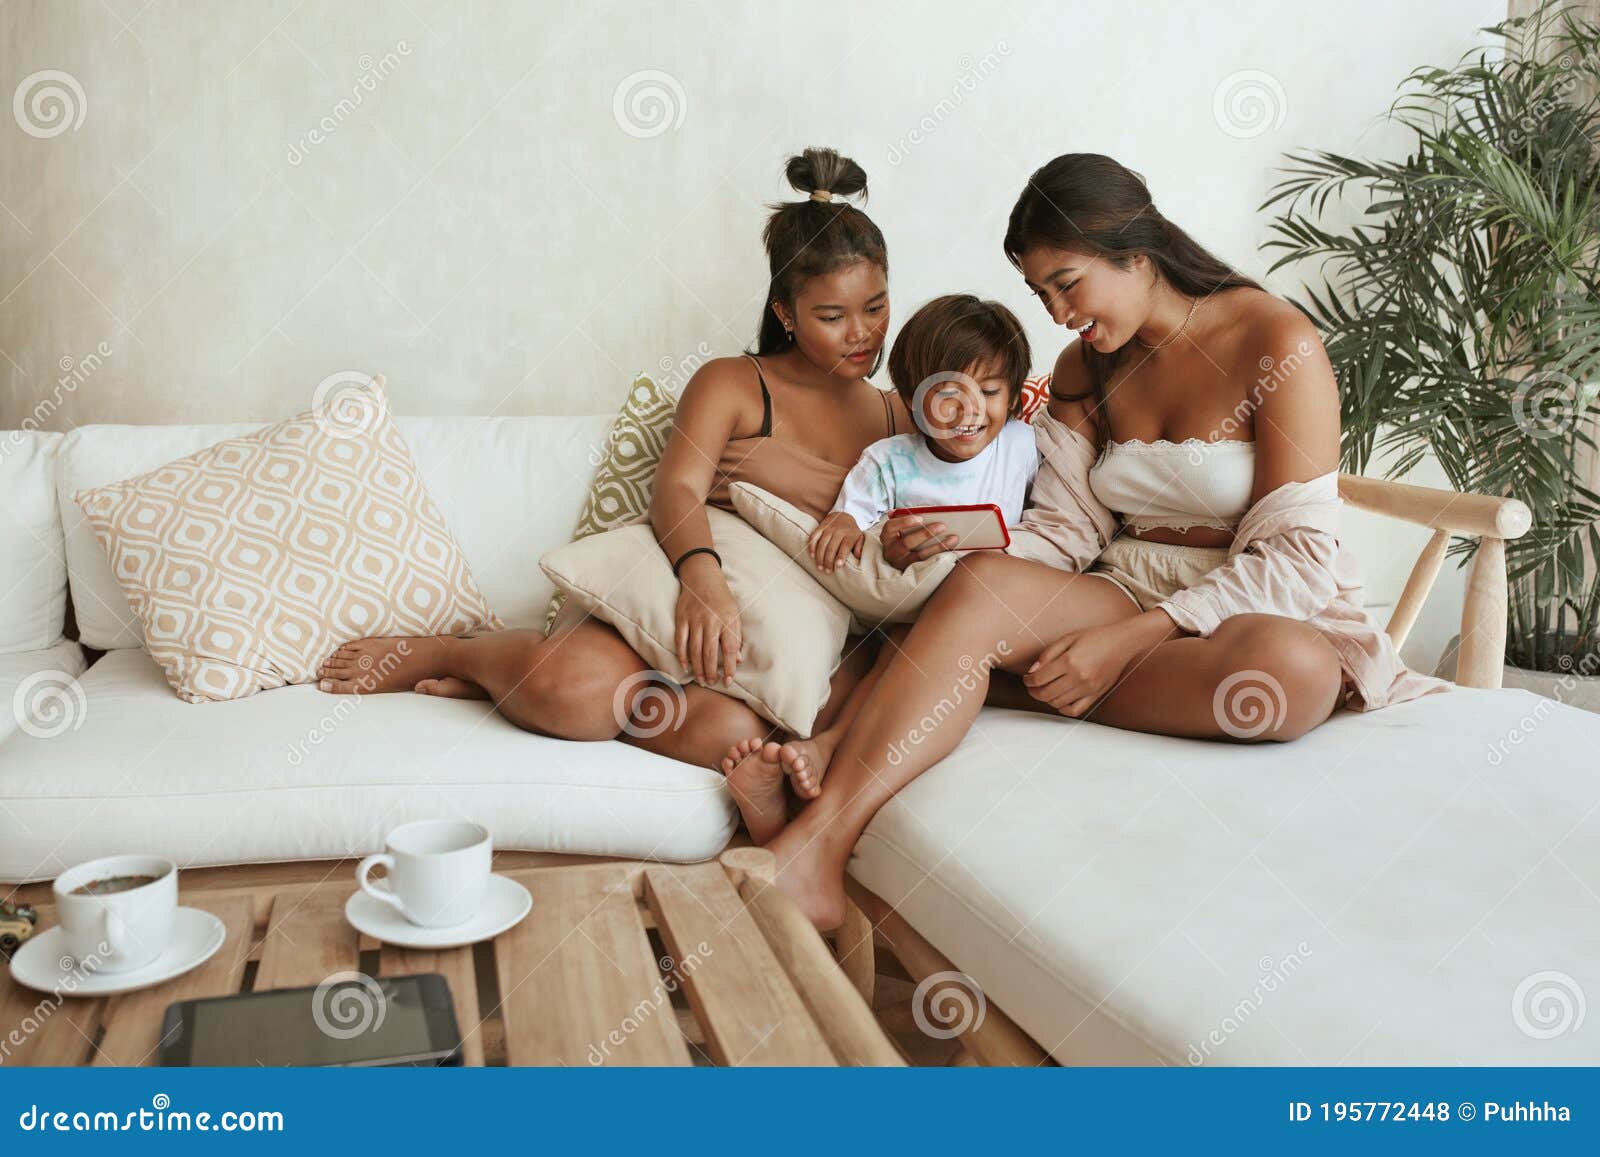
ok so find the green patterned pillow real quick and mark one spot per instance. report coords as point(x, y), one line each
point(620, 492)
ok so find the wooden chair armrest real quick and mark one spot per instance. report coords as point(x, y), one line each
point(1480, 661)
point(1480, 515)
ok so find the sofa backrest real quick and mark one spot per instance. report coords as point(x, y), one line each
point(509, 489)
point(33, 569)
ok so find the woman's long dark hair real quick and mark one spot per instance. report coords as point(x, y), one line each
point(1089, 202)
point(806, 239)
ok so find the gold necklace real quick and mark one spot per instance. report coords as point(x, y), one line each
point(1175, 334)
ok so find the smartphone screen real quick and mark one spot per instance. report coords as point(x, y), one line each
point(361, 1020)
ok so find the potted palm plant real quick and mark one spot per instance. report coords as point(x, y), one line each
point(1458, 293)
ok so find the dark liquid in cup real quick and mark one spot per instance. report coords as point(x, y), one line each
point(113, 884)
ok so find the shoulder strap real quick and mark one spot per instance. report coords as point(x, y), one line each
point(766, 399)
point(888, 411)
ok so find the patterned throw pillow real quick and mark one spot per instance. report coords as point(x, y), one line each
point(249, 562)
point(620, 492)
point(1035, 393)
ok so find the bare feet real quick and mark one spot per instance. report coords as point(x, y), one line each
point(804, 761)
point(450, 687)
point(757, 787)
point(374, 666)
point(808, 876)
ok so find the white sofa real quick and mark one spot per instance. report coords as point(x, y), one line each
point(1421, 884)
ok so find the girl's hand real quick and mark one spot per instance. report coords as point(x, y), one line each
point(1073, 673)
point(708, 631)
point(835, 537)
point(908, 539)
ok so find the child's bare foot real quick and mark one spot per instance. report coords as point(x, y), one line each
point(374, 666)
point(804, 761)
point(807, 877)
point(757, 787)
point(450, 687)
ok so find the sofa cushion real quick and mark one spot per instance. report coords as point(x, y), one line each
point(39, 690)
point(297, 774)
point(509, 489)
point(33, 566)
point(1416, 885)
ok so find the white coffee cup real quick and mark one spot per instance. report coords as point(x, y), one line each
point(438, 870)
point(117, 931)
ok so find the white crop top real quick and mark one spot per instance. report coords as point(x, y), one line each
point(1177, 485)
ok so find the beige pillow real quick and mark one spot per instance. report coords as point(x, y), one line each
point(249, 562)
point(794, 631)
point(873, 590)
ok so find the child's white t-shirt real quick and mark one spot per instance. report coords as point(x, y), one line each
point(902, 471)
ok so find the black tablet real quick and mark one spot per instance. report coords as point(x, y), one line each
point(348, 1019)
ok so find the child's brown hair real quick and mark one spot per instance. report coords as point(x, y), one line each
point(958, 333)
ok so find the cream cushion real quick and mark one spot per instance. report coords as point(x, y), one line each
point(873, 590)
point(39, 691)
point(793, 630)
point(300, 775)
point(250, 561)
point(1411, 886)
point(33, 567)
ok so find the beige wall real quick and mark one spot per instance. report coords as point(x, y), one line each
point(463, 195)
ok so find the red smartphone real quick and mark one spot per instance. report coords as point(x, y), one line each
point(979, 527)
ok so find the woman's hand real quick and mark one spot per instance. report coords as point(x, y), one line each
point(708, 631)
point(1073, 673)
point(908, 539)
point(836, 537)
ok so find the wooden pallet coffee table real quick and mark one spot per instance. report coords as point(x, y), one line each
point(618, 963)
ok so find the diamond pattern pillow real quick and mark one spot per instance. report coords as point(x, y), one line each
point(248, 562)
point(620, 492)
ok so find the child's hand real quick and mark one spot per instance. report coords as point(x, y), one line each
point(836, 536)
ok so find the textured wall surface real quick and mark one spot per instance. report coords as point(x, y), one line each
point(208, 207)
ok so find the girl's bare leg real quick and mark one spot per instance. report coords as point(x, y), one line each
point(1001, 612)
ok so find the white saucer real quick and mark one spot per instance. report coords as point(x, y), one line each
point(43, 963)
point(504, 903)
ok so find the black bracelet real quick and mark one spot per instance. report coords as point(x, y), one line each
point(690, 553)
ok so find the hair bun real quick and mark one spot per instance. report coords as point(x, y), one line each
point(824, 171)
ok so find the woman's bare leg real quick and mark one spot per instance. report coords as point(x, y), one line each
point(1001, 612)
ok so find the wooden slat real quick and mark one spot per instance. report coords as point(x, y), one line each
point(39, 1028)
point(455, 965)
point(744, 999)
point(1481, 660)
point(578, 981)
point(133, 1021)
point(836, 1005)
point(307, 939)
point(1406, 608)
